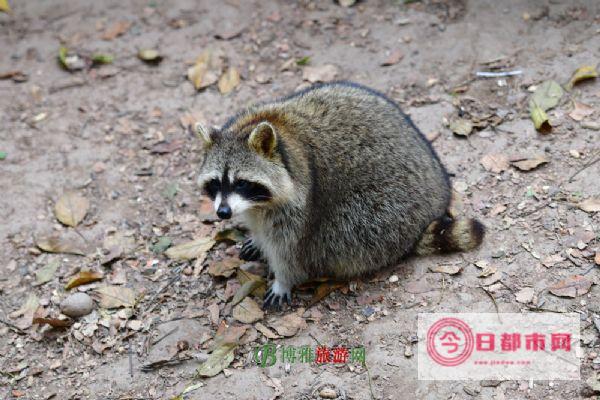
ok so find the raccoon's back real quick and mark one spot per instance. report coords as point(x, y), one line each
point(376, 184)
point(358, 142)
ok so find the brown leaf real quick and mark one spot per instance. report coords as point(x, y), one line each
point(573, 286)
point(71, 208)
point(116, 296)
point(245, 290)
point(205, 71)
point(269, 334)
point(219, 359)
point(289, 324)
point(323, 290)
point(224, 268)
point(582, 73)
point(194, 249)
point(590, 205)
point(549, 261)
point(323, 73)
point(229, 80)
point(529, 163)
point(394, 58)
point(55, 244)
point(597, 258)
point(26, 312)
point(495, 163)
point(82, 278)
point(53, 322)
point(231, 235)
point(248, 311)
point(117, 29)
point(580, 111)
point(447, 269)
point(229, 334)
point(244, 277)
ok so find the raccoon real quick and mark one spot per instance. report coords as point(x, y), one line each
point(332, 181)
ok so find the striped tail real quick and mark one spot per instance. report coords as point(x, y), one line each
point(447, 235)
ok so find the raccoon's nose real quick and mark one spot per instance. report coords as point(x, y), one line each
point(224, 211)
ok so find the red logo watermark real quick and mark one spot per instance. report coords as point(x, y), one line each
point(492, 346)
point(449, 342)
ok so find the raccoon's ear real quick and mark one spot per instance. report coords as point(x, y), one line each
point(263, 139)
point(203, 133)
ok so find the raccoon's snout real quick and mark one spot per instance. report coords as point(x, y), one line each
point(224, 211)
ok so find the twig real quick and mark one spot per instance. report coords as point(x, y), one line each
point(589, 164)
point(130, 352)
point(172, 331)
point(493, 301)
point(177, 271)
point(13, 327)
point(370, 381)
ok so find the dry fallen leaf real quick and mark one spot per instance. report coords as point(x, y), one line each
point(218, 360)
point(228, 334)
point(71, 208)
point(206, 69)
point(5, 7)
point(573, 286)
point(231, 235)
point(582, 73)
point(117, 29)
point(248, 311)
point(549, 261)
point(546, 96)
point(323, 290)
point(590, 205)
point(580, 111)
point(495, 163)
point(82, 278)
point(529, 163)
point(244, 290)
point(55, 244)
point(53, 322)
point(461, 127)
point(525, 295)
point(224, 268)
point(115, 296)
point(269, 334)
point(244, 277)
point(289, 324)
point(46, 273)
point(394, 58)
point(486, 268)
point(229, 80)
point(150, 56)
point(322, 73)
point(597, 258)
point(26, 312)
point(446, 269)
point(194, 249)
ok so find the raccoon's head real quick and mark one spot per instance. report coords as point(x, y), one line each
point(241, 172)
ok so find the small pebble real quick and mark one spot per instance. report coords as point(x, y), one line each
point(328, 393)
point(77, 305)
point(393, 278)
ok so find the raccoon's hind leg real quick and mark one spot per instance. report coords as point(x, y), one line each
point(249, 251)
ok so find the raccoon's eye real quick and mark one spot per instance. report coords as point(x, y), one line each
point(242, 185)
point(212, 187)
point(252, 191)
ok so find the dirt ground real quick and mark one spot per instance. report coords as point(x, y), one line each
point(118, 134)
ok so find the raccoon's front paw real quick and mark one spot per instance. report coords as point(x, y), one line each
point(249, 251)
point(276, 295)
